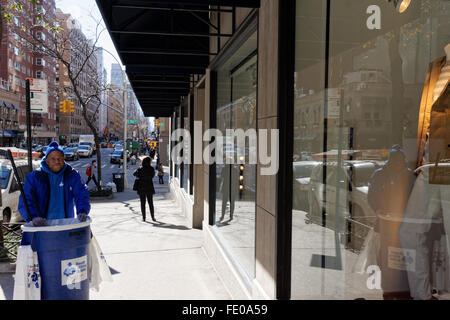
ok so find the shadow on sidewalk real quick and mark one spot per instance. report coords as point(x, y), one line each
point(164, 225)
point(7, 285)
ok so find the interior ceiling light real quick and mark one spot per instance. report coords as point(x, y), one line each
point(401, 5)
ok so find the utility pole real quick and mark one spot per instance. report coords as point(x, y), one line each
point(125, 120)
point(28, 114)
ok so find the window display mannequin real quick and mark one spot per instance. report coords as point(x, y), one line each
point(427, 216)
point(433, 115)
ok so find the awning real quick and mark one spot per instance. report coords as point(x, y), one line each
point(15, 106)
point(7, 104)
point(7, 134)
point(163, 43)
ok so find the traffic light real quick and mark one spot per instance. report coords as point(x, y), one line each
point(70, 105)
point(157, 122)
point(63, 106)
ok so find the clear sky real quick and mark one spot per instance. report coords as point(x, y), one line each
point(87, 14)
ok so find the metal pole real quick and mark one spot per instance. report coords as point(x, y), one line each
point(28, 114)
point(125, 120)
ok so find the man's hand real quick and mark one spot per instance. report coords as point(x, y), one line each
point(82, 217)
point(39, 222)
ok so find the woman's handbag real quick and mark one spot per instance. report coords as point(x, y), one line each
point(136, 184)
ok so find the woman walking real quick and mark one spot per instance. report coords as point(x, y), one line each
point(161, 173)
point(144, 187)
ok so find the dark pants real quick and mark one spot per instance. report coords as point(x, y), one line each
point(225, 197)
point(93, 179)
point(149, 197)
point(161, 179)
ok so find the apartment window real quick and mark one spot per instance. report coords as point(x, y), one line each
point(17, 66)
point(40, 62)
point(40, 35)
point(10, 63)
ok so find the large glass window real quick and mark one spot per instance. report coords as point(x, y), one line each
point(371, 184)
point(185, 119)
point(236, 179)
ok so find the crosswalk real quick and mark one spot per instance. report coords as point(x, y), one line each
point(79, 166)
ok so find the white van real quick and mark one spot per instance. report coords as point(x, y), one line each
point(10, 188)
point(89, 140)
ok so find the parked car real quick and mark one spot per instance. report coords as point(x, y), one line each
point(352, 197)
point(84, 151)
point(43, 151)
point(118, 147)
point(71, 154)
point(117, 155)
point(301, 183)
point(10, 188)
point(37, 148)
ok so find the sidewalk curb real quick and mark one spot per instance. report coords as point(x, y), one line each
point(7, 267)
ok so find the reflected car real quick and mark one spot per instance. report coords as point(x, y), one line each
point(301, 183)
point(326, 203)
point(71, 154)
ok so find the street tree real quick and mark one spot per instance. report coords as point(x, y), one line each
point(76, 61)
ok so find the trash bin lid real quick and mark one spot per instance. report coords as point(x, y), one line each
point(57, 225)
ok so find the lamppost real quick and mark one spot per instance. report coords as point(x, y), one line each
point(125, 120)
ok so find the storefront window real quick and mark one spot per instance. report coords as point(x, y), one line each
point(236, 181)
point(185, 119)
point(371, 150)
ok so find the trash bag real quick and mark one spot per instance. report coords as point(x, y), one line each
point(369, 255)
point(27, 280)
point(99, 269)
point(112, 185)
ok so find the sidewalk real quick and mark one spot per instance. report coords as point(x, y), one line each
point(152, 260)
point(148, 260)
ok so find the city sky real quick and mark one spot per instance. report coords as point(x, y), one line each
point(87, 14)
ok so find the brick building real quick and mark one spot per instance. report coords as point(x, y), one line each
point(18, 62)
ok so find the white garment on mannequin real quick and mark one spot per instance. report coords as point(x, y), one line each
point(443, 77)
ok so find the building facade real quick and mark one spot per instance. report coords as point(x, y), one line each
point(71, 125)
point(355, 94)
point(19, 61)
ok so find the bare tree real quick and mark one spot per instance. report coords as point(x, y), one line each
point(77, 56)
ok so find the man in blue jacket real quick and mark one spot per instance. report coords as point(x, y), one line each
point(52, 190)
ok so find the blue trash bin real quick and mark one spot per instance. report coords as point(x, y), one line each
point(63, 254)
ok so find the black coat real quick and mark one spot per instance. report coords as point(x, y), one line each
point(145, 176)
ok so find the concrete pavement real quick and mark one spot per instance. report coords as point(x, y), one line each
point(148, 260)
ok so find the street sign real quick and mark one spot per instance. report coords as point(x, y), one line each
point(132, 121)
point(38, 95)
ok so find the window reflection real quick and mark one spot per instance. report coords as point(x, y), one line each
point(372, 119)
point(236, 178)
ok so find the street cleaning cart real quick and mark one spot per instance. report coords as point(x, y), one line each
point(59, 261)
point(62, 250)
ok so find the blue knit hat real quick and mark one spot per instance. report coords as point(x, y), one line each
point(54, 146)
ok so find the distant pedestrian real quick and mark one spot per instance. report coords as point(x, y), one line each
point(161, 174)
point(90, 173)
point(144, 186)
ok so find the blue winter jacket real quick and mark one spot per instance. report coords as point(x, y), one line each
point(37, 193)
